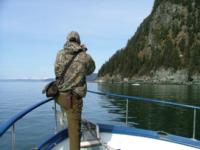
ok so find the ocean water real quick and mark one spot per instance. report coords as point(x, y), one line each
point(37, 126)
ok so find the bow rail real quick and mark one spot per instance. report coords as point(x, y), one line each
point(12, 121)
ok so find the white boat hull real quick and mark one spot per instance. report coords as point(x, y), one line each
point(126, 138)
point(129, 142)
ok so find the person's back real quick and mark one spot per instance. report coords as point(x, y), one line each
point(75, 76)
point(73, 87)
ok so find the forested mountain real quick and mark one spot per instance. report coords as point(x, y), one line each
point(167, 40)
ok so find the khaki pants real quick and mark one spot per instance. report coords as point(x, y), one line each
point(74, 118)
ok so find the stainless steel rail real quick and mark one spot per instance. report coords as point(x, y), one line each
point(155, 101)
point(12, 121)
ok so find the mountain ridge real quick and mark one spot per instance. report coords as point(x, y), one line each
point(167, 43)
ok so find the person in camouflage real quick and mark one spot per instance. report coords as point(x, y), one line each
point(73, 87)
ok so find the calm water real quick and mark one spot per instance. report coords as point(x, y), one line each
point(39, 124)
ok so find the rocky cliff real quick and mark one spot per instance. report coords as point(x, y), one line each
point(166, 46)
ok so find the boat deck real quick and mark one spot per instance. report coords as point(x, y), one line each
point(126, 142)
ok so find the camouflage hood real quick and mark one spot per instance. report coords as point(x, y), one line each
point(72, 47)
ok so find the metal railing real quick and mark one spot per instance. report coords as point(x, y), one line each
point(156, 101)
point(11, 123)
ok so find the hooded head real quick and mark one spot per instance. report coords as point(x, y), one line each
point(73, 43)
point(73, 36)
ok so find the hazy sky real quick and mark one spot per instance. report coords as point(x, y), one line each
point(32, 31)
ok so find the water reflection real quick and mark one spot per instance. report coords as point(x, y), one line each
point(179, 93)
point(153, 116)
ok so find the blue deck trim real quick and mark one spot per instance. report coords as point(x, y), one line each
point(150, 134)
point(149, 100)
point(54, 140)
point(62, 135)
point(8, 123)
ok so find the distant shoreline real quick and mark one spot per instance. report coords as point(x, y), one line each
point(91, 78)
point(139, 82)
point(133, 82)
point(26, 80)
point(32, 80)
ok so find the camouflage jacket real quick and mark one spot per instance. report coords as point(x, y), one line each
point(75, 76)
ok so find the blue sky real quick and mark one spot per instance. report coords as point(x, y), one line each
point(32, 31)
